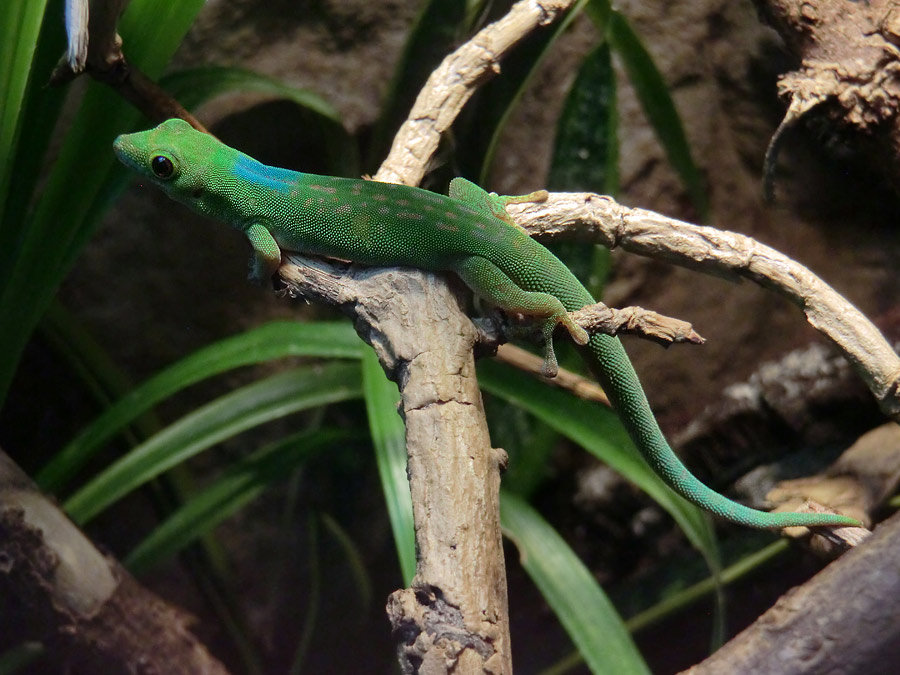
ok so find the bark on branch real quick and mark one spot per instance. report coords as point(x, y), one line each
point(664, 330)
point(81, 604)
point(850, 72)
point(839, 617)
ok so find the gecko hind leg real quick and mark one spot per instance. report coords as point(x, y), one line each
point(490, 203)
point(491, 283)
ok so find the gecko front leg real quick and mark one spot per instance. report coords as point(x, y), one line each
point(266, 256)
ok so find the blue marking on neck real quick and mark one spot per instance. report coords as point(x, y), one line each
point(281, 180)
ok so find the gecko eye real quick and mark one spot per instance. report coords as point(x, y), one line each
point(162, 167)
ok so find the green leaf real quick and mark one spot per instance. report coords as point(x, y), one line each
point(193, 86)
point(66, 214)
point(18, 658)
point(260, 402)
point(239, 484)
point(389, 437)
point(20, 24)
point(88, 362)
point(585, 157)
point(683, 597)
point(571, 591)
point(599, 11)
point(597, 430)
point(335, 151)
point(711, 585)
point(586, 151)
point(519, 69)
point(39, 112)
point(659, 107)
point(314, 599)
point(527, 440)
point(355, 561)
point(274, 340)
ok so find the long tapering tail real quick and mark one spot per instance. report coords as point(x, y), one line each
point(613, 369)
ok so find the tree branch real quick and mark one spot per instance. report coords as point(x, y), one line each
point(425, 342)
point(837, 618)
point(730, 255)
point(90, 613)
point(645, 323)
point(452, 84)
point(577, 385)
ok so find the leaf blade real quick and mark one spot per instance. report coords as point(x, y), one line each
point(249, 406)
point(20, 24)
point(274, 340)
point(389, 438)
point(659, 107)
point(239, 484)
point(66, 215)
point(193, 86)
point(571, 591)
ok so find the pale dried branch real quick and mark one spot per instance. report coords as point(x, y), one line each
point(730, 255)
point(856, 484)
point(596, 318)
point(452, 84)
point(80, 603)
point(577, 385)
point(645, 323)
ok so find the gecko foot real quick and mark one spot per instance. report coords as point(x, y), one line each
point(579, 334)
point(550, 367)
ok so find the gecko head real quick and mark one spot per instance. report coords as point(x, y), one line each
point(174, 156)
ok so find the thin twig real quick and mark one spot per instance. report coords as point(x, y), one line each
point(579, 386)
point(645, 323)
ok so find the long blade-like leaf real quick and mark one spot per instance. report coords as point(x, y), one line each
point(585, 157)
point(38, 114)
point(568, 587)
point(243, 409)
point(599, 432)
point(336, 152)
point(586, 151)
point(194, 86)
point(355, 561)
point(517, 76)
point(270, 341)
point(429, 40)
point(659, 107)
point(239, 484)
point(20, 23)
point(65, 216)
point(389, 437)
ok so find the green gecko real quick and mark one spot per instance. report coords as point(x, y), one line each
point(468, 233)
